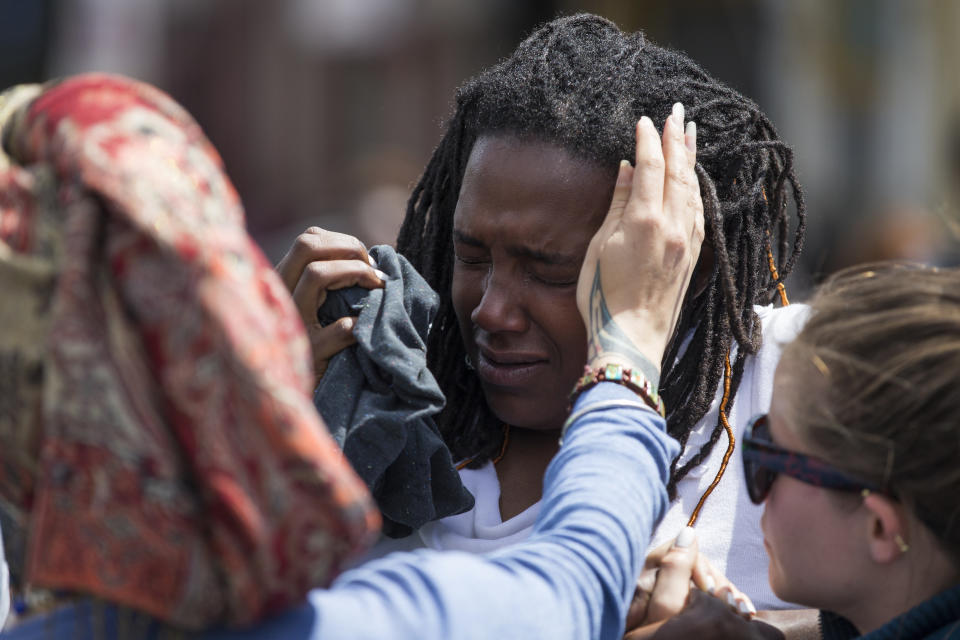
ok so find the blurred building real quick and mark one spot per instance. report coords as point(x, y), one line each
point(326, 111)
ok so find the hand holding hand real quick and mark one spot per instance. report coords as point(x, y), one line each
point(670, 574)
point(708, 618)
point(639, 263)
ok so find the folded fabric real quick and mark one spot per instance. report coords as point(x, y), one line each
point(159, 447)
point(378, 398)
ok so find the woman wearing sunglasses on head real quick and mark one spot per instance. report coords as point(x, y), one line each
point(857, 460)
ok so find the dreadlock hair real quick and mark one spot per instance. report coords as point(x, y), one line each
point(581, 83)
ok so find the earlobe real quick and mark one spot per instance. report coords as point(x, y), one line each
point(887, 537)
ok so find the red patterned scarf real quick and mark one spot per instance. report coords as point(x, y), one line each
point(159, 445)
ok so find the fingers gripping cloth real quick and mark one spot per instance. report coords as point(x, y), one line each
point(160, 450)
point(379, 399)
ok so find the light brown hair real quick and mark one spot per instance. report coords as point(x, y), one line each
point(875, 385)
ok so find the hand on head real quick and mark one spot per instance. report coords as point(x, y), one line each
point(321, 261)
point(640, 261)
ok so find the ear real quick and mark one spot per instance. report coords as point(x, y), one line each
point(886, 528)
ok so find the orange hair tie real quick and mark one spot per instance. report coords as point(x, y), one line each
point(731, 441)
point(776, 278)
point(773, 267)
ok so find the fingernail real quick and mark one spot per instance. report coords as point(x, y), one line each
point(373, 263)
point(678, 113)
point(710, 584)
point(742, 606)
point(644, 120)
point(685, 539)
point(731, 600)
point(753, 609)
point(622, 173)
point(381, 275)
point(690, 136)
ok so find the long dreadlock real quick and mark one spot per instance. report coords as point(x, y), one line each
point(581, 83)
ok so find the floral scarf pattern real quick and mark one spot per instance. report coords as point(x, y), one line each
point(160, 447)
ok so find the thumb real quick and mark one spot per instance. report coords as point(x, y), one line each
point(673, 580)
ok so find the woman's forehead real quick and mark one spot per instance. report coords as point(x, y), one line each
point(495, 148)
point(795, 388)
point(534, 183)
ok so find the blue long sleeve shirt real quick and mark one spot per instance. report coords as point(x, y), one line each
point(574, 578)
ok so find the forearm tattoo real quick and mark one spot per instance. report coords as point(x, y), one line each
point(605, 337)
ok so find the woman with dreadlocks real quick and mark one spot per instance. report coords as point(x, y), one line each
point(498, 225)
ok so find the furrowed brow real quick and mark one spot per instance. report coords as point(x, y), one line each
point(546, 257)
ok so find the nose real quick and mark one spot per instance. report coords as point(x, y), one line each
point(501, 306)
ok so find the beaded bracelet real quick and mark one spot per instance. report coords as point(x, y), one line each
point(630, 378)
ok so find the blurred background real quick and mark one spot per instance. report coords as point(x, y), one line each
point(326, 111)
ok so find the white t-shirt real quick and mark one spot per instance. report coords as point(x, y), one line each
point(729, 523)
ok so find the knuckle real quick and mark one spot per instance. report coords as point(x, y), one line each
point(357, 245)
point(303, 245)
point(651, 162)
point(305, 240)
point(681, 176)
point(674, 242)
point(673, 561)
point(315, 271)
point(647, 221)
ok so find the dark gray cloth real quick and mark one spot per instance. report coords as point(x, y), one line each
point(379, 399)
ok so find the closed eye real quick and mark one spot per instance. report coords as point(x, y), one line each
point(555, 280)
point(470, 254)
point(468, 250)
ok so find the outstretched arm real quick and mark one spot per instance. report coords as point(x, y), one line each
point(573, 578)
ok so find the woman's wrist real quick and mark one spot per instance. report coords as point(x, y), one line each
point(636, 361)
point(631, 378)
